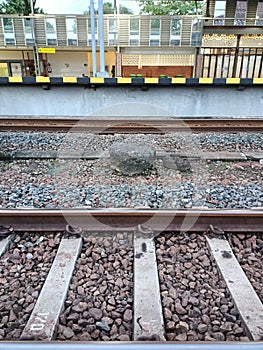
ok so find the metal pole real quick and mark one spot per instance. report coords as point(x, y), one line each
point(93, 38)
point(35, 48)
point(101, 26)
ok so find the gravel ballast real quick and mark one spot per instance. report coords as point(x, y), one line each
point(196, 303)
point(100, 298)
point(248, 249)
point(24, 269)
point(60, 183)
point(93, 184)
point(12, 142)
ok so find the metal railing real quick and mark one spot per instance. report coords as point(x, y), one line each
point(122, 30)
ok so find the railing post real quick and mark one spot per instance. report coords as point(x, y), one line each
point(93, 38)
point(102, 72)
point(35, 48)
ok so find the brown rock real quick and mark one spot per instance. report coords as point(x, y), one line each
point(202, 327)
point(194, 301)
point(123, 337)
point(127, 315)
point(112, 301)
point(119, 282)
point(95, 313)
point(238, 331)
point(12, 316)
point(74, 316)
point(170, 326)
point(114, 330)
point(206, 319)
point(219, 336)
point(95, 334)
point(179, 309)
point(80, 307)
point(29, 308)
point(167, 314)
point(68, 333)
point(170, 336)
point(192, 336)
point(167, 301)
point(182, 327)
point(181, 337)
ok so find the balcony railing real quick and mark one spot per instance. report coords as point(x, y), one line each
point(119, 31)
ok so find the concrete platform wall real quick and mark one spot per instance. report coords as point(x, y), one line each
point(102, 101)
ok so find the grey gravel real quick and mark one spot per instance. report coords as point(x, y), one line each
point(93, 184)
point(12, 142)
point(89, 184)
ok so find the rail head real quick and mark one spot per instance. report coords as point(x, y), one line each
point(109, 220)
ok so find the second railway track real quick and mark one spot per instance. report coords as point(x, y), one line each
point(130, 282)
point(130, 125)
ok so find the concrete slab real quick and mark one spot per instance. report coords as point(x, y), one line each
point(35, 154)
point(4, 244)
point(43, 320)
point(243, 294)
point(221, 155)
point(254, 155)
point(148, 316)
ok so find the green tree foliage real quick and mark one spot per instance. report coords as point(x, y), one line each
point(170, 7)
point(20, 7)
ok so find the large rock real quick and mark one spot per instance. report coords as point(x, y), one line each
point(131, 158)
point(177, 162)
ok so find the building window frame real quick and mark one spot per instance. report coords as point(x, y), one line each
point(113, 31)
point(9, 32)
point(51, 31)
point(72, 31)
point(134, 32)
point(175, 32)
point(155, 32)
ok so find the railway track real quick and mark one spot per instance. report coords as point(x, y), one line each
point(113, 276)
point(133, 126)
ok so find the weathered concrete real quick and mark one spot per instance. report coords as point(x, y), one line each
point(148, 317)
point(179, 101)
point(44, 317)
point(243, 294)
point(5, 243)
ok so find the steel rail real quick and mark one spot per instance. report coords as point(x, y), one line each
point(130, 125)
point(110, 220)
point(129, 346)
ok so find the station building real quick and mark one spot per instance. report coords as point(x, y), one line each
point(226, 41)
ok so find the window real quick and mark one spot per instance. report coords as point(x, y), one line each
point(90, 33)
point(241, 13)
point(29, 31)
point(196, 32)
point(51, 31)
point(175, 38)
point(134, 31)
point(71, 25)
point(259, 16)
point(220, 10)
point(155, 32)
point(9, 31)
point(113, 31)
